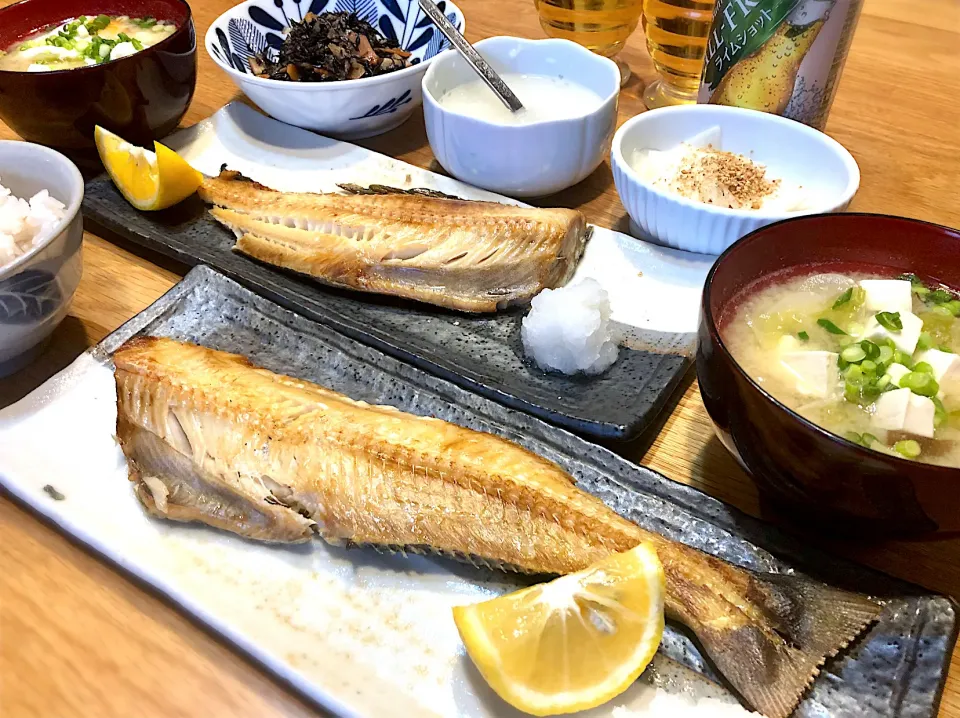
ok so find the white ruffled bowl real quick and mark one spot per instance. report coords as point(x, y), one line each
point(346, 109)
point(522, 160)
point(789, 149)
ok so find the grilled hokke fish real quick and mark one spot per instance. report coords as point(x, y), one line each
point(464, 255)
point(211, 438)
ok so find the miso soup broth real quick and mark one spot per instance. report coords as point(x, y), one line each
point(86, 40)
point(867, 357)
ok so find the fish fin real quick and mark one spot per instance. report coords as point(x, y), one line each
point(772, 662)
point(379, 189)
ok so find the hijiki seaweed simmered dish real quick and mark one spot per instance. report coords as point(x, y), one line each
point(328, 47)
point(869, 358)
point(85, 41)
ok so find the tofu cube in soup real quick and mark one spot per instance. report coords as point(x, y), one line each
point(905, 339)
point(888, 295)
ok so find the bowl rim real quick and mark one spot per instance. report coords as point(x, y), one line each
point(713, 328)
point(70, 213)
point(89, 68)
point(850, 163)
point(498, 40)
point(267, 82)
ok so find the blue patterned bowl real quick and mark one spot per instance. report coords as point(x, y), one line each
point(36, 288)
point(346, 109)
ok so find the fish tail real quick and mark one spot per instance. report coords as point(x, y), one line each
point(771, 647)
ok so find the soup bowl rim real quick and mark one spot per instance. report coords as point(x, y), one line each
point(713, 327)
point(92, 68)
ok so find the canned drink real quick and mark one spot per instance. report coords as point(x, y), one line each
point(779, 56)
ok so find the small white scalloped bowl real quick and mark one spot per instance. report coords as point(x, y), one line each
point(530, 160)
point(791, 150)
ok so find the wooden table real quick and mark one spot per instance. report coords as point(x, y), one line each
point(78, 639)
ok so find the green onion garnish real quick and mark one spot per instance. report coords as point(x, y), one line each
point(885, 356)
point(868, 367)
point(890, 321)
point(843, 298)
point(939, 296)
point(870, 349)
point(803, 336)
point(830, 326)
point(942, 310)
point(853, 354)
point(869, 439)
point(920, 383)
point(939, 413)
point(908, 448)
point(925, 341)
point(954, 306)
point(146, 22)
point(923, 367)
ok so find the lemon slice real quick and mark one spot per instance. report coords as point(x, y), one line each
point(149, 180)
point(573, 643)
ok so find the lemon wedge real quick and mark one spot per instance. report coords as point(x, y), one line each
point(573, 643)
point(149, 180)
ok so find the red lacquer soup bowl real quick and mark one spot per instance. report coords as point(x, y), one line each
point(141, 97)
point(812, 473)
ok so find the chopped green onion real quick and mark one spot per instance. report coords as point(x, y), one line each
point(885, 356)
point(920, 383)
point(945, 348)
point(843, 298)
point(137, 45)
point(954, 306)
point(869, 439)
point(868, 366)
point(803, 336)
point(884, 381)
point(851, 392)
point(890, 321)
point(923, 367)
point(939, 413)
point(830, 326)
point(908, 448)
point(925, 341)
point(870, 391)
point(146, 22)
point(853, 354)
point(870, 349)
point(854, 437)
point(939, 296)
point(900, 357)
point(942, 311)
point(911, 277)
point(98, 23)
point(853, 374)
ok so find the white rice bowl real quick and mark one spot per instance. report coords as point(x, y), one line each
point(25, 224)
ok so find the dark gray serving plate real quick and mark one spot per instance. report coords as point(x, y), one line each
point(895, 670)
point(483, 354)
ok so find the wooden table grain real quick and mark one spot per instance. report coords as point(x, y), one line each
point(79, 639)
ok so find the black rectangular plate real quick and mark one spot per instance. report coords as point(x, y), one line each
point(895, 670)
point(481, 353)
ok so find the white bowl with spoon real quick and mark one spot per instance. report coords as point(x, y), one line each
point(815, 168)
point(562, 134)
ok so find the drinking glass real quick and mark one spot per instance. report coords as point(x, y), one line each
point(601, 26)
point(676, 33)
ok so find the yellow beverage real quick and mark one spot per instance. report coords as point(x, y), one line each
point(601, 26)
point(676, 33)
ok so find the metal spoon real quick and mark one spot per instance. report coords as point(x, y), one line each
point(479, 65)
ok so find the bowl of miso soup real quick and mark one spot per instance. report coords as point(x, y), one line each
point(829, 363)
point(67, 66)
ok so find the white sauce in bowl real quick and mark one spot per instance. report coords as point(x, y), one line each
point(544, 98)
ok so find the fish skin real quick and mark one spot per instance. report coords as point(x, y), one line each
point(469, 256)
point(281, 458)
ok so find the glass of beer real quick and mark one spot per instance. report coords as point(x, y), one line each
point(601, 26)
point(676, 33)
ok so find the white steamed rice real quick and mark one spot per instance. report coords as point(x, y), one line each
point(25, 224)
point(569, 329)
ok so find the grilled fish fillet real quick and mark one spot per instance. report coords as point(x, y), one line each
point(468, 256)
point(211, 438)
